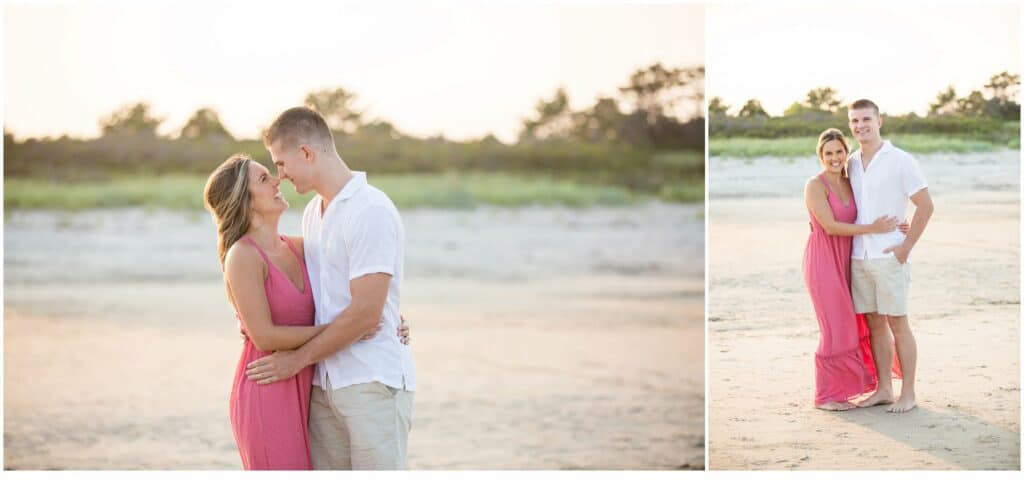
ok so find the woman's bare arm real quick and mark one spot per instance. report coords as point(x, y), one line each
point(245, 273)
point(816, 198)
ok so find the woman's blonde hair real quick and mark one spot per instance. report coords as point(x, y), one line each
point(832, 134)
point(227, 197)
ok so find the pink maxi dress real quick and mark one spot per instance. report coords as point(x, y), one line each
point(844, 366)
point(270, 421)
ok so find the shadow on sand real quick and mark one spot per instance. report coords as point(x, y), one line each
point(942, 433)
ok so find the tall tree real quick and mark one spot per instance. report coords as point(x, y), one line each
point(204, 123)
point(945, 103)
point(752, 108)
point(553, 120)
point(717, 107)
point(974, 104)
point(824, 99)
point(335, 105)
point(1004, 86)
point(657, 90)
point(132, 119)
point(602, 122)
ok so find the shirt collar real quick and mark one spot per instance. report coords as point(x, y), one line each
point(856, 155)
point(886, 146)
point(353, 186)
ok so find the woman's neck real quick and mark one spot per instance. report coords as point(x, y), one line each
point(266, 234)
point(833, 178)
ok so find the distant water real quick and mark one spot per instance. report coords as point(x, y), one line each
point(779, 176)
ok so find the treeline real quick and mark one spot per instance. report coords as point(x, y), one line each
point(989, 114)
point(641, 148)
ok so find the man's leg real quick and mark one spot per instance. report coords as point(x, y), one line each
point(906, 348)
point(372, 414)
point(865, 300)
point(881, 349)
point(894, 285)
point(328, 438)
point(403, 401)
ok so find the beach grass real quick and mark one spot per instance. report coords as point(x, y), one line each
point(448, 191)
point(805, 146)
point(684, 191)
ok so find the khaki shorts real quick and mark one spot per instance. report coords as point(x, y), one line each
point(880, 286)
point(359, 427)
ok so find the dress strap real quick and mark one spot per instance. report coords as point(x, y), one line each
point(252, 242)
point(828, 186)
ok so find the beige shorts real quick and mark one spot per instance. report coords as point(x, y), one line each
point(880, 286)
point(359, 427)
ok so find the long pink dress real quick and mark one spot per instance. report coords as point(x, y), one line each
point(844, 366)
point(270, 421)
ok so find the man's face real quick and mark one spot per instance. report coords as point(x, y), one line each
point(865, 124)
point(294, 163)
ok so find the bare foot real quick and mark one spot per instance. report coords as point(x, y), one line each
point(836, 406)
point(906, 403)
point(877, 398)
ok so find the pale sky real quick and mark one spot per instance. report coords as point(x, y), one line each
point(461, 70)
point(899, 56)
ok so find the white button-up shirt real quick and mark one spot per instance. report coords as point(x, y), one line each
point(884, 189)
point(359, 233)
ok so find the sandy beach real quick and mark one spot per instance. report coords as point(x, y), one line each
point(544, 338)
point(964, 312)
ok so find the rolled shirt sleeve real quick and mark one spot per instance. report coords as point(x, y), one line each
point(371, 239)
point(911, 177)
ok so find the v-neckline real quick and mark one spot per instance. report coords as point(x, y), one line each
point(285, 274)
point(838, 195)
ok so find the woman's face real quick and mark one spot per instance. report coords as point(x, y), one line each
point(265, 191)
point(833, 156)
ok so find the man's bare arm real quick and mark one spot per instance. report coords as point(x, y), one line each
point(922, 213)
point(369, 294)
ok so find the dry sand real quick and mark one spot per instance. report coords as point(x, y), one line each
point(544, 339)
point(964, 312)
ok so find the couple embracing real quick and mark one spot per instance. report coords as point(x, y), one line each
point(326, 378)
point(856, 264)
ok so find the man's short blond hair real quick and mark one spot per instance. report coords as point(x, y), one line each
point(298, 125)
point(864, 104)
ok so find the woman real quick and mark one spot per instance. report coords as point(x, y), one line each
point(267, 282)
point(844, 368)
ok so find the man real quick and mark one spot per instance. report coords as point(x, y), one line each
point(361, 408)
point(884, 178)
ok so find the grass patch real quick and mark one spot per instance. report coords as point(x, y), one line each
point(805, 146)
point(450, 191)
point(469, 191)
point(689, 191)
point(169, 192)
